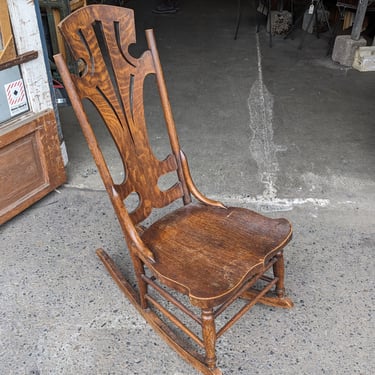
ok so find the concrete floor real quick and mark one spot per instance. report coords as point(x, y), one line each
point(280, 130)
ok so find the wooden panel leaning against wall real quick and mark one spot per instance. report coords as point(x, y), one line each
point(31, 163)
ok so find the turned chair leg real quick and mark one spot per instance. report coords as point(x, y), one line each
point(209, 337)
point(278, 271)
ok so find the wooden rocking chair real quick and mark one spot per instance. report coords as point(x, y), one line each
point(201, 254)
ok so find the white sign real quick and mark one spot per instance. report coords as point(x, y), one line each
point(16, 97)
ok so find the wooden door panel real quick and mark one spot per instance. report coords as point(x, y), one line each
point(31, 164)
point(21, 171)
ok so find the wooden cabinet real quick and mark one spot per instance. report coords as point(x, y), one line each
point(31, 162)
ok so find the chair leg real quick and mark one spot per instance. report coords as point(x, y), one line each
point(209, 337)
point(278, 271)
point(142, 285)
point(270, 299)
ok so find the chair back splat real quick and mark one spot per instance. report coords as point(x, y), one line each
point(198, 259)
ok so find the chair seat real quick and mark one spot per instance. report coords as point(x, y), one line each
point(206, 252)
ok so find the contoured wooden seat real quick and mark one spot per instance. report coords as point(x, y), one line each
point(209, 254)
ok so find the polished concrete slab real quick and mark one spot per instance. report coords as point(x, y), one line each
point(281, 130)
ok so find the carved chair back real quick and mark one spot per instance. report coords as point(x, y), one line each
point(113, 81)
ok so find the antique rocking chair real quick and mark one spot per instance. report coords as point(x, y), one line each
point(202, 253)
